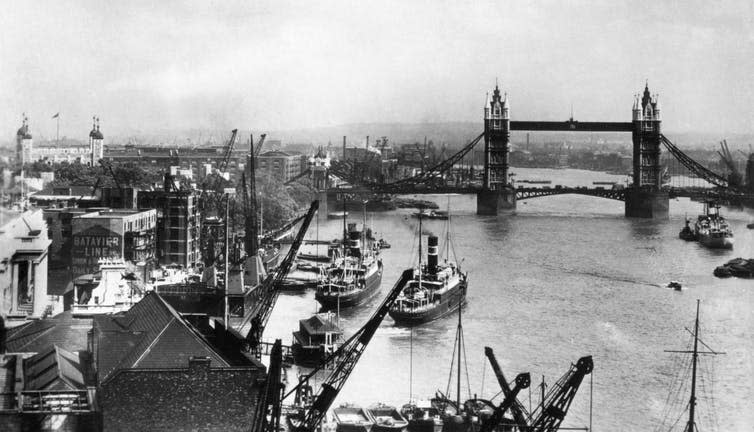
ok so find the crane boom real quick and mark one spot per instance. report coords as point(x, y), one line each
point(266, 294)
point(523, 381)
point(343, 361)
point(258, 150)
point(553, 410)
point(518, 410)
point(228, 150)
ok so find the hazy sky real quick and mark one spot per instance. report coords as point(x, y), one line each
point(163, 65)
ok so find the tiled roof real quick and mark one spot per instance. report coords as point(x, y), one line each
point(151, 335)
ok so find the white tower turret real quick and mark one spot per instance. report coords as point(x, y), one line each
point(95, 142)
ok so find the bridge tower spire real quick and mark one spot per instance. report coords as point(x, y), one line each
point(497, 192)
point(645, 197)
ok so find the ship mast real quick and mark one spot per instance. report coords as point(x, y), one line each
point(458, 377)
point(691, 425)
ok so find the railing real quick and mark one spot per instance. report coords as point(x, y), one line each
point(184, 288)
point(95, 309)
point(46, 401)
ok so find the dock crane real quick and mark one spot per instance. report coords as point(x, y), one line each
point(258, 149)
point(519, 412)
point(260, 300)
point(523, 381)
point(211, 182)
point(552, 411)
point(269, 406)
point(343, 361)
point(734, 178)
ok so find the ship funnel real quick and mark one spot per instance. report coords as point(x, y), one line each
point(432, 254)
point(354, 240)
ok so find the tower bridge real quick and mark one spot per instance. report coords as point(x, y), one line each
point(644, 197)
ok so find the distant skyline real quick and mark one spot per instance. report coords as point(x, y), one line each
point(175, 66)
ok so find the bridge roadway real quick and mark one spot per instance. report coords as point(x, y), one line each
point(523, 193)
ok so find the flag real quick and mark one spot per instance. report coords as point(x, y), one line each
point(56, 115)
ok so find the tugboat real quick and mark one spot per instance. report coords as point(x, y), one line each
point(436, 291)
point(687, 233)
point(711, 228)
point(317, 337)
point(355, 277)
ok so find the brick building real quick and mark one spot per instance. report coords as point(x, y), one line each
point(280, 165)
point(178, 225)
point(127, 234)
point(157, 371)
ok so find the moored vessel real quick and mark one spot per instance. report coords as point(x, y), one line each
point(711, 228)
point(317, 337)
point(386, 418)
point(355, 277)
point(422, 417)
point(352, 418)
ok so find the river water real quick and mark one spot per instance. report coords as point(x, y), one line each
point(559, 278)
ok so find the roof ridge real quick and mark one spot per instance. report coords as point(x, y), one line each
point(151, 344)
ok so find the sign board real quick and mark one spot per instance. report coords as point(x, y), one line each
point(91, 245)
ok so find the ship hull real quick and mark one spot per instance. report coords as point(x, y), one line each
point(449, 304)
point(716, 242)
point(354, 298)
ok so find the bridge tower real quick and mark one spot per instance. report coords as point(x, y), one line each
point(497, 193)
point(645, 198)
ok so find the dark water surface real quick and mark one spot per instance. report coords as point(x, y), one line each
point(558, 278)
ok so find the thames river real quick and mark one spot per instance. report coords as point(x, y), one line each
point(559, 278)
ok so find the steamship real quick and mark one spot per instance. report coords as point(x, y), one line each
point(711, 228)
point(355, 277)
point(436, 291)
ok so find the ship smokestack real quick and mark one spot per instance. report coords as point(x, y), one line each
point(432, 254)
point(354, 240)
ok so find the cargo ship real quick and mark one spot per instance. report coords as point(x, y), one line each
point(711, 228)
point(355, 277)
point(437, 289)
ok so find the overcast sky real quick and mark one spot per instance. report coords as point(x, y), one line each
point(164, 65)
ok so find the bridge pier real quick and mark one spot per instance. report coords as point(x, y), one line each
point(647, 204)
point(492, 202)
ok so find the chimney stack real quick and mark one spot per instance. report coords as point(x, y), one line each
point(344, 148)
